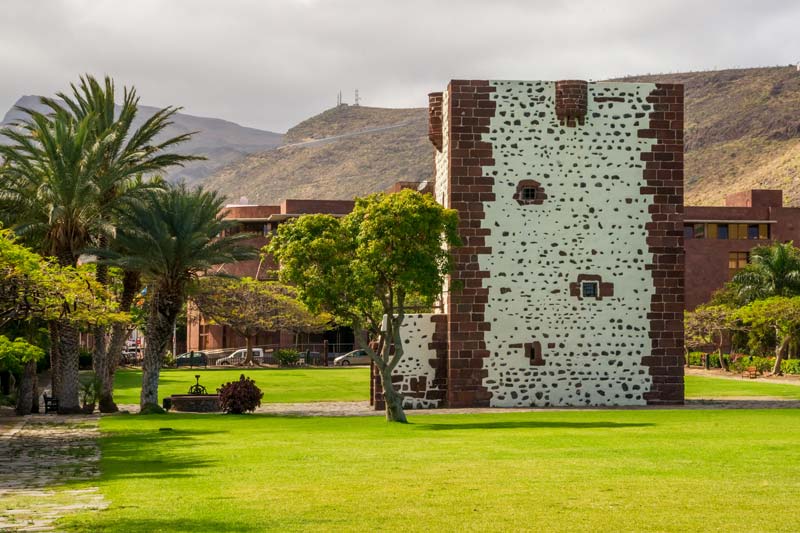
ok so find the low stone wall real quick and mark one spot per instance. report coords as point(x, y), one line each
point(196, 403)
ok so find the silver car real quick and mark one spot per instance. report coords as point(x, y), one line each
point(356, 357)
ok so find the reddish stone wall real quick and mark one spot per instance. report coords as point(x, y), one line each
point(470, 110)
point(664, 177)
point(307, 207)
point(571, 102)
point(435, 119)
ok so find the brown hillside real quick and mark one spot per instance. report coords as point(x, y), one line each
point(364, 162)
point(742, 131)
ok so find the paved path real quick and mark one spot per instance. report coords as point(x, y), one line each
point(38, 455)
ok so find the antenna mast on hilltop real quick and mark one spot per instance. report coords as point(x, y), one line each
point(339, 99)
point(357, 100)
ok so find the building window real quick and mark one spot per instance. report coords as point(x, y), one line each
point(528, 193)
point(763, 231)
point(700, 231)
point(688, 231)
point(722, 231)
point(736, 262)
point(590, 289)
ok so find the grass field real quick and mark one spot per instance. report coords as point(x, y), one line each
point(709, 387)
point(278, 385)
point(352, 384)
point(659, 470)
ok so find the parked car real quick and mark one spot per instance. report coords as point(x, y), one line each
point(356, 357)
point(238, 357)
point(192, 359)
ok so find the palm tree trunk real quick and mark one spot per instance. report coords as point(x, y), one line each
point(100, 356)
point(55, 359)
point(69, 349)
point(26, 391)
point(131, 285)
point(164, 308)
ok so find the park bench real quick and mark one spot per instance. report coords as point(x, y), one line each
point(50, 404)
point(750, 372)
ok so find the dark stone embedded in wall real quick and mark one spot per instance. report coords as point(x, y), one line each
point(435, 119)
point(571, 102)
point(530, 192)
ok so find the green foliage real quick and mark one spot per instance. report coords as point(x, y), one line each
point(696, 359)
point(14, 354)
point(249, 306)
point(239, 397)
point(36, 287)
point(84, 359)
point(89, 391)
point(790, 366)
point(168, 361)
point(774, 270)
point(762, 364)
point(286, 356)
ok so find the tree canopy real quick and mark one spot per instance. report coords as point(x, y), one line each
point(368, 266)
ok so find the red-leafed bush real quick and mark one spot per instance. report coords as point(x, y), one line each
point(239, 397)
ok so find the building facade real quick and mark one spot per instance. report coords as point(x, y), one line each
point(569, 287)
point(261, 221)
point(718, 240)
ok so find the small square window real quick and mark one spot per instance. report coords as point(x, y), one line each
point(528, 193)
point(589, 289)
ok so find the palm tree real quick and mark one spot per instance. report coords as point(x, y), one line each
point(773, 271)
point(49, 197)
point(170, 238)
point(127, 155)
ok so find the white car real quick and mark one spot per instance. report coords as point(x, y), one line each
point(238, 357)
point(356, 357)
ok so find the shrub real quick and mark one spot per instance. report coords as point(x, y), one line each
point(287, 356)
point(762, 364)
point(696, 359)
point(85, 360)
point(790, 366)
point(239, 397)
point(169, 360)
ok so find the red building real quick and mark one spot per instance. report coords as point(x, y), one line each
point(718, 240)
point(261, 221)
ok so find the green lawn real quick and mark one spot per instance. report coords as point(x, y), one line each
point(658, 470)
point(278, 385)
point(708, 387)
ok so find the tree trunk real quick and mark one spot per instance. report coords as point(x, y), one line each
point(779, 352)
point(722, 364)
point(69, 350)
point(55, 359)
point(26, 389)
point(248, 358)
point(392, 399)
point(164, 308)
point(131, 285)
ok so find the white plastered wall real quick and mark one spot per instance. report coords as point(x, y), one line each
point(592, 222)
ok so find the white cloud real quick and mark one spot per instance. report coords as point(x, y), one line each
point(271, 64)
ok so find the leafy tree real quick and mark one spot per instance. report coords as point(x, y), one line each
point(249, 306)
point(365, 267)
point(708, 324)
point(169, 238)
point(20, 356)
point(783, 315)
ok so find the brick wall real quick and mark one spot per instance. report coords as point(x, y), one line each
point(664, 176)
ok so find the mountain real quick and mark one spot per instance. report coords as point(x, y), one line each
point(220, 141)
point(742, 131)
point(344, 152)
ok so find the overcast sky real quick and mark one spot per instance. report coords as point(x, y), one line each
point(271, 63)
